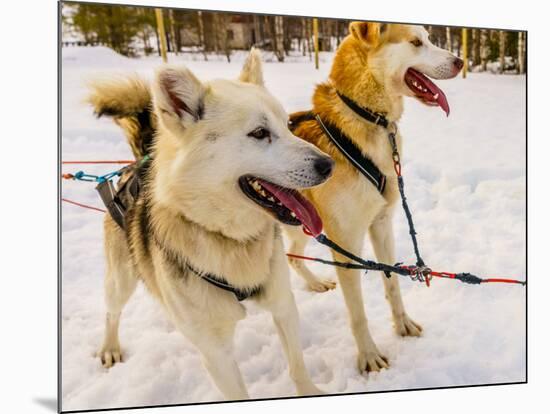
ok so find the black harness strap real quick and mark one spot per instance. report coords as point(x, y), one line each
point(118, 201)
point(354, 155)
point(365, 167)
point(112, 202)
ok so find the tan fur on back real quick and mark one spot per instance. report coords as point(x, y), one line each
point(348, 76)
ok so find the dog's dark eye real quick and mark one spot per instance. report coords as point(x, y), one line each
point(416, 42)
point(260, 133)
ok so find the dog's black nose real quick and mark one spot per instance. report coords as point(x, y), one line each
point(324, 166)
point(459, 63)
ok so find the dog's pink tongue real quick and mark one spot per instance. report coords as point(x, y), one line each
point(434, 94)
point(442, 101)
point(294, 201)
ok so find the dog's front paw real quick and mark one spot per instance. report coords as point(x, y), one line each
point(321, 285)
point(405, 326)
point(372, 360)
point(110, 355)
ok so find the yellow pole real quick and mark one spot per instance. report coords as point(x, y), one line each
point(464, 51)
point(162, 34)
point(316, 41)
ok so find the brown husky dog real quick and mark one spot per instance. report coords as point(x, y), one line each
point(375, 66)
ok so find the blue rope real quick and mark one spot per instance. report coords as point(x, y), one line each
point(82, 176)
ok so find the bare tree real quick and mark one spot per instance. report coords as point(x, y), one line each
point(257, 30)
point(476, 60)
point(449, 44)
point(501, 49)
point(309, 30)
point(484, 48)
point(278, 47)
point(269, 31)
point(200, 31)
point(222, 25)
point(303, 35)
point(173, 42)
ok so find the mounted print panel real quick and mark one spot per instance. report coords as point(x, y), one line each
point(265, 206)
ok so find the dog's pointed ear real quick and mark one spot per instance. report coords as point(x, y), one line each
point(366, 32)
point(252, 70)
point(178, 97)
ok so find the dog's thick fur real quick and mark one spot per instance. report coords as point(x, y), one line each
point(369, 67)
point(191, 211)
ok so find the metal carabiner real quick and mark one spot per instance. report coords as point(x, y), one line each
point(392, 125)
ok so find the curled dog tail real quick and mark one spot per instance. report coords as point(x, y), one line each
point(128, 101)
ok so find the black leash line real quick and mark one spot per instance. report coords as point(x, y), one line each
point(401, 186)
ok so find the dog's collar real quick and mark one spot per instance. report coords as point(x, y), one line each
point(183, 264)
point(372, 116)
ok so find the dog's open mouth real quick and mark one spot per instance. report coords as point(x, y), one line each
point(285, 204)
point(425, 90)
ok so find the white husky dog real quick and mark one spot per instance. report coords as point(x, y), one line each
point(224, 171)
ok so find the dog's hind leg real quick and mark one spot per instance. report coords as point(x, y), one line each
point(277, 297)
point(120, 283)
point(381, 236)
point(298, 244)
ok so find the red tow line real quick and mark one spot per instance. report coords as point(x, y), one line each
point(83, 205)
point(100, 162)
point(444, 275)
point(397, 167)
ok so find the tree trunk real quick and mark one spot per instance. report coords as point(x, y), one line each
point(158, 41)
point(449, 44)
point(173, 31)
point(304, 35)
point(501, 49)
point(279, 39)
point(257, 32)
point(287, 43)
point(269, 32)
point(168, 37)
point(177, 28)
point(200, 31)
point(216, 29)
point(226, 47)
point(475, 47)
point(220, 28)
point(145, 42)
point(484, 49)
point(309, 29)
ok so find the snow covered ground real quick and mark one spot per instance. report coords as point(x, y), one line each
point(465, 179)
